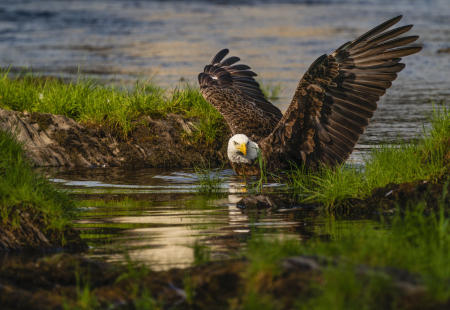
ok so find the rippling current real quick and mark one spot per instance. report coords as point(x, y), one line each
point(156, 216)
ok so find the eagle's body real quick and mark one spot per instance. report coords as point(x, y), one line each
point(331, 106)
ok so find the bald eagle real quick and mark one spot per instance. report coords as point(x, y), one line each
point(330, 109)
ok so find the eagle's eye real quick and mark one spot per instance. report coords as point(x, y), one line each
point(235, 143)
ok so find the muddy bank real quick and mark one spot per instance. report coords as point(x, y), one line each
point(61, 279)
point(56, 140)
point(387, 199)
point(28, 231)
point(382, 200)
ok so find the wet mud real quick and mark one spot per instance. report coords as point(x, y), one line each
point(56, 140)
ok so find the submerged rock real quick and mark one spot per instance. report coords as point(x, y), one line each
point(259, 202)
point(56, 140)
point(445, 50)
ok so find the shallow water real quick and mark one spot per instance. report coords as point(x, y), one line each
point(156, 216)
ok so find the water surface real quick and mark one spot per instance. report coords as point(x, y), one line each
point(157, 217)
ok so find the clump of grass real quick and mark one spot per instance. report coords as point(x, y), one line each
point(116, 109)
point(133, 276)
point(423, 160)
point(210, 181)
point(22, 189)
point(189, 289)
point(270, 91)
point(256, 301)
point(86, 299)
point(202, 253)
point(343, 289)
point(265, 254)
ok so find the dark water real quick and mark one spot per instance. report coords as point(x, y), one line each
point(156, 216)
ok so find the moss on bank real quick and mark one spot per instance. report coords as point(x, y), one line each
point(33, 214)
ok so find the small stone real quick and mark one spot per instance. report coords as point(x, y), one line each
point(259, 202)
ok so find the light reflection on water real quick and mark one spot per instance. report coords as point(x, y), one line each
point(156, 218)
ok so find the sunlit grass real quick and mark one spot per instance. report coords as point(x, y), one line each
point(114, 108)
point(271, 91)
point(210, 181)
point(22, 189)
point(422, 160)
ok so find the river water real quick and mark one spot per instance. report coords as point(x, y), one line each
point(156, 216)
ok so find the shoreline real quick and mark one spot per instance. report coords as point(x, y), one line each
point(58, 141)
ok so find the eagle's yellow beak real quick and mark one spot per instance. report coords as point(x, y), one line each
point(243, 148)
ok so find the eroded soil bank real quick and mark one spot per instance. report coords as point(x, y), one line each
point(56, 140)
point(74, 281)
point(385, 199)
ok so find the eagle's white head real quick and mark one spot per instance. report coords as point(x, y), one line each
point(241, 150)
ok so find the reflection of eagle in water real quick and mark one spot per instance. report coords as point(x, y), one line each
point(331, 107)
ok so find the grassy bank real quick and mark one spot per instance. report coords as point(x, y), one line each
point(365, 259)
point(27, 198)
point(116, 109)
point(425, 159)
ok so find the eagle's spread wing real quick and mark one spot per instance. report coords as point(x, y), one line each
point(233, 91)
point(336, 98)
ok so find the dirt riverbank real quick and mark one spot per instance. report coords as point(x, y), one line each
point(56, 140)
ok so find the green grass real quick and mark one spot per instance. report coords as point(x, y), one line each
point(417, 243)
point(270, 91)
point(342, 289)
point(412, 241)
point(22, 189)
point(116, 109)
point(209, 180)
point(422, 160)
point(202, 253)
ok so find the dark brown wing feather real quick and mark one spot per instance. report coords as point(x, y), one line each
point(336, 98)
point(233, 91)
